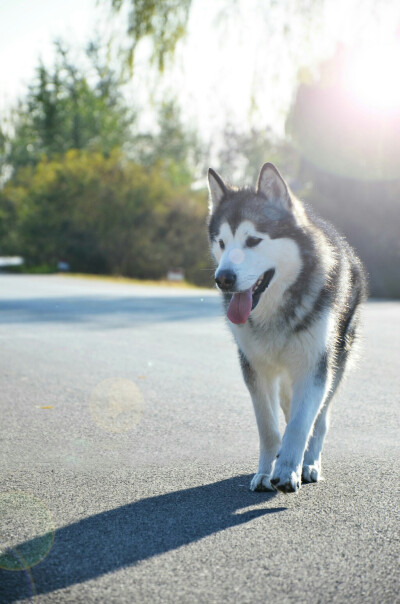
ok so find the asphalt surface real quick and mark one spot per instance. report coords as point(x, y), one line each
point(142, 495)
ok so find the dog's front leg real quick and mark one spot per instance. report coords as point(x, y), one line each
point(264, 391)
point(309, 394)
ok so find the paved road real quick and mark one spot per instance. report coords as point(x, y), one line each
point(159, 510)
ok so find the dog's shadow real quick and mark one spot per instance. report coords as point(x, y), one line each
point(126, 535)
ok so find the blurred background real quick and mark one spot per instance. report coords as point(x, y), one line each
point(112, 110)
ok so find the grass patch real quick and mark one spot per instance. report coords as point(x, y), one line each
point(131, 281)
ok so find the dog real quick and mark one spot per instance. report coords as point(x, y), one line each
point(292, 289)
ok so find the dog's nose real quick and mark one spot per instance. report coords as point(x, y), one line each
point(225, 280)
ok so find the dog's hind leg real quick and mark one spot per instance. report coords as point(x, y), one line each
point(311, 471)
point(264, 391)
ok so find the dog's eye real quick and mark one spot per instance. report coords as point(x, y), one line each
point(221, 244)
point(252, 241)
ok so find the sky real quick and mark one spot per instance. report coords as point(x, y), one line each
point(27, 31)
point(235, 65)
point(206, 71)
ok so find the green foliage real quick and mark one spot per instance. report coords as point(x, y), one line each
point(104, 215)
point(163, 21)
point(175, 148)
point(68, 108)
point(244, 153)
point(78, 186)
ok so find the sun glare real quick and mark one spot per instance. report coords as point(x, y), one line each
point(372, 77)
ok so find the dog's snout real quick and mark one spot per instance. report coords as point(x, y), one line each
point(225, 279)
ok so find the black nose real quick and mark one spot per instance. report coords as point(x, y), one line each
point(225, 280)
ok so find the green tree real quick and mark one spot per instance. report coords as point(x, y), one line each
point(104, 214)
point(78, 185)
point(68, 108)
point(243, 153)
point(164, 21)
point(175, 148)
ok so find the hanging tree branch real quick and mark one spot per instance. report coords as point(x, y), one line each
point(163, 21)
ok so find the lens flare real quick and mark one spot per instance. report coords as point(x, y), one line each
point(371, 76)
point(236, 256)
point(116, 405)
point(26, 588)
point(27, 530)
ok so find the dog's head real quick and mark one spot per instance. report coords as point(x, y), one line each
point(252, 239)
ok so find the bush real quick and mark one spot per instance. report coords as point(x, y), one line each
point(104, 215)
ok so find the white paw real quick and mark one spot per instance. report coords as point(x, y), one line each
point(261, 482)
point(311, 472)
point(286, 478)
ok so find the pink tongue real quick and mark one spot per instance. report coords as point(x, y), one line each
point(240, 307)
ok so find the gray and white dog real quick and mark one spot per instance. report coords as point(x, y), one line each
point(292, 288)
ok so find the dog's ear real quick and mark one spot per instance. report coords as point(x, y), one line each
point(271, 185)
point(217, 189)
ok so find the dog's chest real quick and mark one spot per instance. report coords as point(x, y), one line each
point(259, 346)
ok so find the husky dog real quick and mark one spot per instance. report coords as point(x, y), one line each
point(292, 288)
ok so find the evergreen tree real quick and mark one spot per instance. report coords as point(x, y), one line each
point(68, 108)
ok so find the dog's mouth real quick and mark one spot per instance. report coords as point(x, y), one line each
point(261, 285)
point(242, 303)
